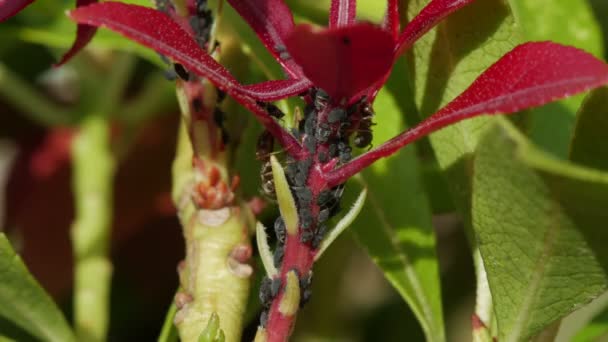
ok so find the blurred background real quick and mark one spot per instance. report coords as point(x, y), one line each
point(40, 111)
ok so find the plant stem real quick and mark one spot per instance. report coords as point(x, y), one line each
point(215, 276)
point(31, 102)
point(93, 166)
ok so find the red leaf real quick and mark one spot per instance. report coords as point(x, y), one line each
point(391, 19)
point(84, 34)
point(272, 21)
point(342, 61)
point(9, 8)
point(430, 16)
point(530, 75)
point(342, 13)
point(156, 30)
point(276, 90)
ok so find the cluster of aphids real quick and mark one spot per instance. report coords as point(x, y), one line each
point(270, 288)
point(325, 132)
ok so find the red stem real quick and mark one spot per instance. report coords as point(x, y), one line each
point(343, 173)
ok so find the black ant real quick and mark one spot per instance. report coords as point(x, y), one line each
point(364, 135)
point(264, 147)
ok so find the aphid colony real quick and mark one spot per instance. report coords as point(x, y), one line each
point(270, 288)
point(324, 131)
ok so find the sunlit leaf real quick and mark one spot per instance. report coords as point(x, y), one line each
point(395, 227)
point(568, 22)
point(536, 220)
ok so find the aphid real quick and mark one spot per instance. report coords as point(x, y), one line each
point(264, 318)
point(279, 252)
point(275, 286)
point(304, 195)
point(316, 241)
point(306, 218)
point(345, 154)
point(272, 110)
point(265, 294)
point(301, 174)
point(181, 72)
point(333, 150)
point(307, 235)
point(310, 143)
point(320, 99)
point(336, 115)
point(324, 197)
point(305, 288)
point(323, 215)
point(323, 132)
point(309, 125)
point(364, 135)
point(279, 229)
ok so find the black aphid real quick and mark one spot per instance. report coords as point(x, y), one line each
point(336, 115)
point(279, 229)
point(275, 286)
point(265, 294)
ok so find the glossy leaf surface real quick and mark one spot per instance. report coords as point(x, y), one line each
point(567, 22)
point(342, 61)
point(523, 78)
point(174, 42)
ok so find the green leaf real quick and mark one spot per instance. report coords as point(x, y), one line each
point(25, 303)
point(443, 64)
point(591, 132)
point(535, 218)
point(395, 226)
point(569, 22)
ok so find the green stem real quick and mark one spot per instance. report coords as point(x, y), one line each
point(29, 101)
point(212, 278)
point(93, 166)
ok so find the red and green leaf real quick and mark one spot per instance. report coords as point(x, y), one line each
point(9, 8)
point(530, 75)
point(272, 21)
point(428, 18)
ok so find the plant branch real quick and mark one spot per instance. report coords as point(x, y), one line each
point(93, 166)
point(31, 102)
